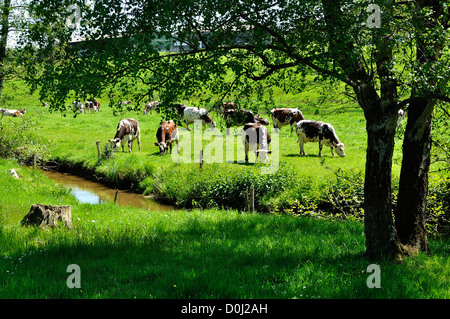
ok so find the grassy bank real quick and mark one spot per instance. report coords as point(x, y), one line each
point(133, 253)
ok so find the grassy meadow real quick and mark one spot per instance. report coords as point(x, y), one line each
point(203, 252)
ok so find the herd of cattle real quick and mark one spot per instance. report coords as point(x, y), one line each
point(255, 135)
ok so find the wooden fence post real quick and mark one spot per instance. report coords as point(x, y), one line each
point(201, 159)
point(98, 149)
point(115, 196)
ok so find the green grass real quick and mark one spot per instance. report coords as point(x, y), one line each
point(133, 253)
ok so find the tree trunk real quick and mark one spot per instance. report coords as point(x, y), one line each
point(5, 11)
point(410, 215)
point(381, 239)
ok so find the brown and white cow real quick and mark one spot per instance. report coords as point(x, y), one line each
point(286, 116)
point(13, 113)
point(316, 131)
point(92, 104)
point(227, 106)
point(192, 114)
point(256, 138)
point(240, 117)
point(166, 134)
point(150, 106)
point(127, 131)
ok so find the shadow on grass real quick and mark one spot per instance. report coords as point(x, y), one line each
point(234, 258)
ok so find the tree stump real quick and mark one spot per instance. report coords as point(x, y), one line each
point(48, 216)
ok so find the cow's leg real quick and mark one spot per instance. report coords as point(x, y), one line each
point(130, 145)
point(300, 142)
point(320, 147)
point(246, 150)
point(332, 150)
point(139, 141)
point(178, 147)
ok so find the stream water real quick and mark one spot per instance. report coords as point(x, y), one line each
point(87, 191)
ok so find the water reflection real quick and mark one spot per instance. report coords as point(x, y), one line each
point(91, 192)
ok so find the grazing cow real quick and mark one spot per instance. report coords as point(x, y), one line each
point(92, 104)
point(255, 137)
point(78, 106)
point(166, 134)
point(192, 114)
point(316, 131)
point(286, 116)
point(150, 106)
point(127, 130)
point(13, 113)
point(227, 106)
point(240, 117)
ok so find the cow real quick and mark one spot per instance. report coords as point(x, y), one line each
point(286, 116)
point(13, 113)
point(92, 104)
point(78, 106)
point(316, 131)
point(227, 106)
point(150, 106)
point(127, 130)
point(166, 134)
point(240, 117)
point(256, 137)
point(192, 114)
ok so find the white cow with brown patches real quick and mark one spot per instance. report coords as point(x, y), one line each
point(286, 116)
point(256, 138)
point(150, 106)
point(127, 131)
point(316, 131)
point(192, 114)
point(13, 113)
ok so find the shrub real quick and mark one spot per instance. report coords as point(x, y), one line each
point(18, 140)
point(224, 188)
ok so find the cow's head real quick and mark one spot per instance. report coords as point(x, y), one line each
point(340, 149)
point(162, 147)
point(212, 125)
point(262, 121)
point(263, 155)
point(115, 143)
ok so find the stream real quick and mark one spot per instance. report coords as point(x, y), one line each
point(91, 192)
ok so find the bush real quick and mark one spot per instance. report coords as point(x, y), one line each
point(217, 187)
point(18, 140)
point(438, 208)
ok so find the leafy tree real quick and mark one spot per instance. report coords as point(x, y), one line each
point(236, 48)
